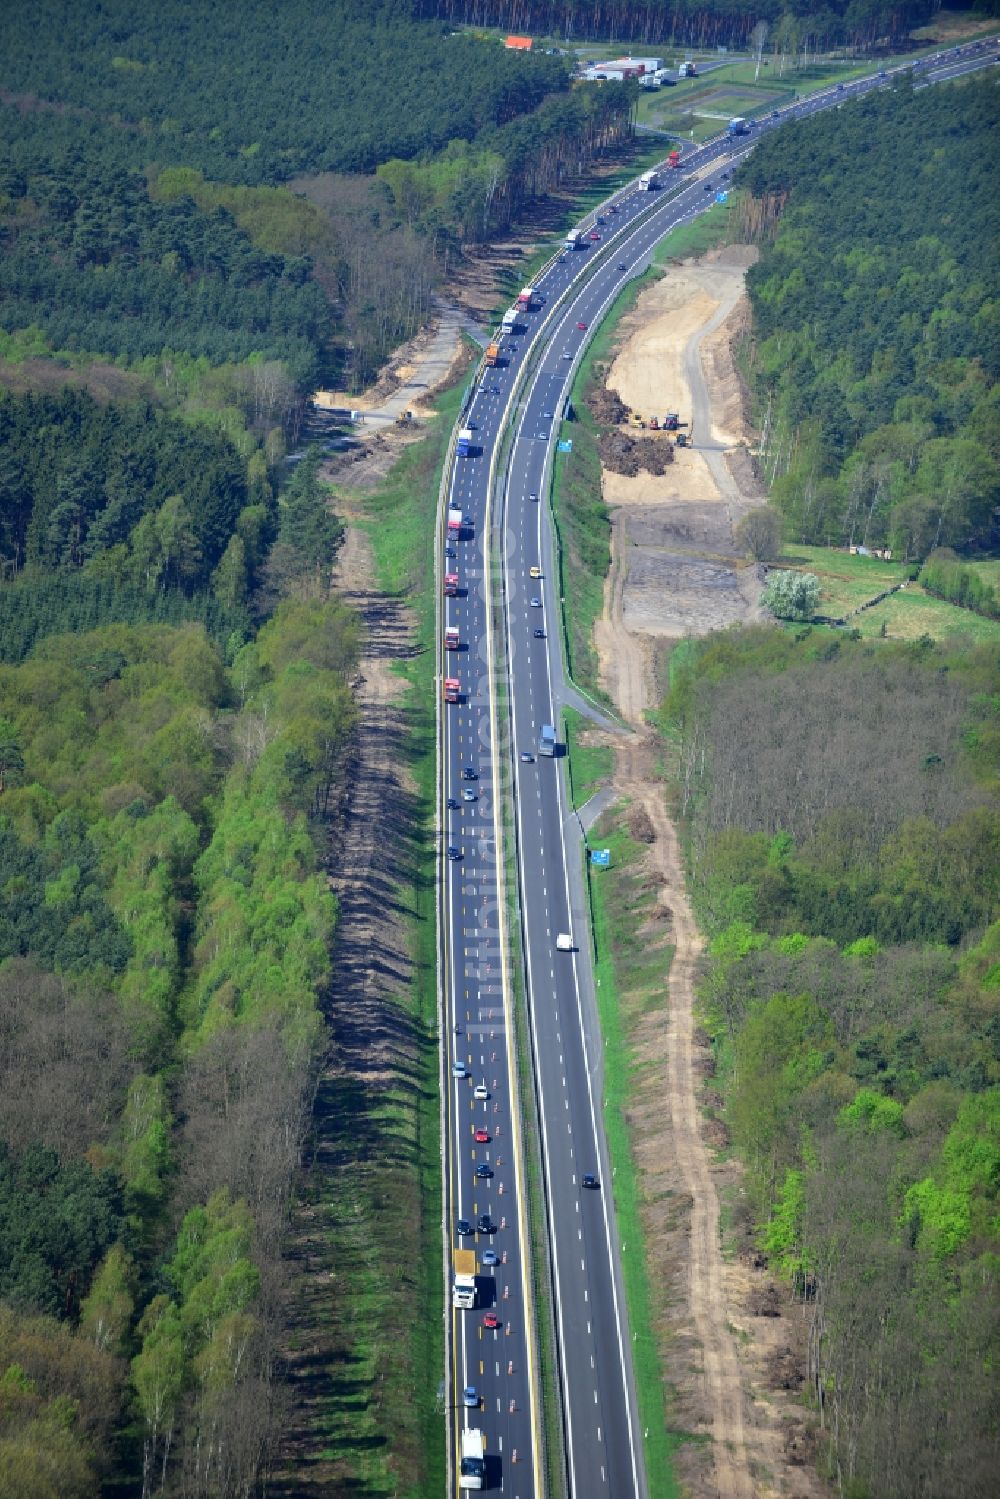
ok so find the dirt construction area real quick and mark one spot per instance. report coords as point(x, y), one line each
point(674, 563)
point(735, 1370)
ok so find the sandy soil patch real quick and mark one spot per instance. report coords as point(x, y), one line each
point(648, 373)
point(687, 479)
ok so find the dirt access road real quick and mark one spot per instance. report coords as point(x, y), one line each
point(417, 369)
point(675, 572)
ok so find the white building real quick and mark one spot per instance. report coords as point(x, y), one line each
point(620, 68)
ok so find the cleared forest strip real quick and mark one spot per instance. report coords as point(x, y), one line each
point(366, 1230)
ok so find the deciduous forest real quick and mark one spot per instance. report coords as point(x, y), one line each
point(876, 358)
point(840, 802)
point(174, 713)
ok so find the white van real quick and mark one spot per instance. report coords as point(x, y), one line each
point(564, 942)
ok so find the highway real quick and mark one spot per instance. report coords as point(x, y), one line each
point(603, 1442)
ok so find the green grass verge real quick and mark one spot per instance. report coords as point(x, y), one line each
point(590, 765)
point(711, 228)
point(385, 1430)
point(583, 527)
point(630, 973)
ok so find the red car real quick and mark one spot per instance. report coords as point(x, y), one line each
point(482, 1137)
point(582, 327)
point(594, 234)
point(491, 1320)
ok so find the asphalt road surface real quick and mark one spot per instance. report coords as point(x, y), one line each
point(603, 1441)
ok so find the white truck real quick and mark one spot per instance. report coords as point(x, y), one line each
point(472, 1473)
point(564, 942)
point(649, 182)
point(509, 323)
point(463, 1288)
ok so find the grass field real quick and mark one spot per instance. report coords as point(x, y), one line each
point(988, 570)
point(847, 582)
point(912, 613)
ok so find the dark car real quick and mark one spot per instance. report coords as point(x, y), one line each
point(494, 390)
point(483, 1170)
point(454, 853)
point(622, 266)
point(708, 187)
point(467, 520)
point(484, 1224)
point(450, 552)
point(587, 1180)
point(468, 774)
point(452, 804)
point(463, 1226)
point(539, 634)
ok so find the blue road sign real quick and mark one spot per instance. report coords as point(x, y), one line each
point(601, 857)
point(721, 197)
point(565, 445)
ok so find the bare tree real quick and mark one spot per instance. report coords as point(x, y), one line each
point(64, 1062)
point(758, 534)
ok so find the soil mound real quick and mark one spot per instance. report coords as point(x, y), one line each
point(624, 454)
